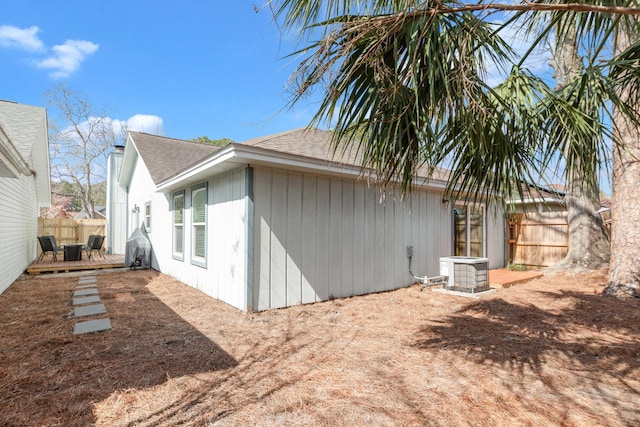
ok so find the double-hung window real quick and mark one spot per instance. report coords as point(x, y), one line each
point(468, 231)
point(147, 216)
point(199, 225)
point(178, 225)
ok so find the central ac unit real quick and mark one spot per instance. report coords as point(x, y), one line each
point(465, 274)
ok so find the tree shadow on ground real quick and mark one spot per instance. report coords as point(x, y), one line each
point(52, 377)
point(598, 336)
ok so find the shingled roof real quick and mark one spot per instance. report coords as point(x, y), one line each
point(165, 157)
point(22, 124)
point(307, 142)
point(315, 143)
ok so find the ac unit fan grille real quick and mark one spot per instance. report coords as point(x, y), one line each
point(470, 277)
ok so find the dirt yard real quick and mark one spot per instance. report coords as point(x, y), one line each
point(548, 352)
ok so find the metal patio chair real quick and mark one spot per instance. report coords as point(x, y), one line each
point(48, 244)
point(94, 244)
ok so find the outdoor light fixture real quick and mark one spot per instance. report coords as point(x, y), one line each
point(135, 209)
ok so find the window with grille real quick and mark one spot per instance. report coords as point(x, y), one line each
point(468, 231)
point(147, 216)
point(178, 225)
point(199, 225)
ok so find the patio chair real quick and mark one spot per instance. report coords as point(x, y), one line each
point(48, 244)
point(94, 244)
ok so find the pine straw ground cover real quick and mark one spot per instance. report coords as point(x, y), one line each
point(548, 352)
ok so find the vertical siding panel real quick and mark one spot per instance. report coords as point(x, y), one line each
point(294, 231)
point(262, 239)
point(279, 239)
point(348, 222)
point(402, 224)
point(379, 256)
point(359, 223)
point(389, 247)
point(420, 262)
point(238, 268)
point(335, 239)
point(322, 239)
point(369, 239)
point(444, 215)
point(308, 263)
point(215, 251)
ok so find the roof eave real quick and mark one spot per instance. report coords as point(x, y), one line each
point(237, 155)
point(11, 159)
point(129, 158)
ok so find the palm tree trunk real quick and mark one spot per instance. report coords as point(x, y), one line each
point(624, 273)
point(588, 243)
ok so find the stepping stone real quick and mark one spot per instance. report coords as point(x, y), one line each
point(86, 300)
point(86, 286)
point(88, 280)
point(85, 292)
point(92, 326)
point(89, 310)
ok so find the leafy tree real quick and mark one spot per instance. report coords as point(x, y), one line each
point(220, 142)
point(80, 138)
point(409, 76)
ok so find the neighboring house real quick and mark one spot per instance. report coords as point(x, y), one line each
point(275, 222)
point(99, 212)
point(25, 185)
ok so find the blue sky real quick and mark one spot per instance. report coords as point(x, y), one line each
point(180, 69)
point(212, 68)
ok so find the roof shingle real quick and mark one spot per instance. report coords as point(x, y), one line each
point(165, 157)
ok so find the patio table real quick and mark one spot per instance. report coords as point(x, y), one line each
point(73, 252)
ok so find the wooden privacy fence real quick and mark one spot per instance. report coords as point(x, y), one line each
point(70, 230)
point(538, 239)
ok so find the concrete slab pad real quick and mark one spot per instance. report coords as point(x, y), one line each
point(89, 310)
point(465, 294)
point(85, 292)
point(92, 326)
point(93, 285)
point(82, 281)
point(86, 300)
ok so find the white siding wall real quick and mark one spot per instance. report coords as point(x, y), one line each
point(116, 207)
point(18, 227)
point(225, 276)
point(319, 237)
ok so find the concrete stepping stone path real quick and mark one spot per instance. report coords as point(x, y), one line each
point(92, 326)
point(89, 310)
point(87, 293)
point(86, 300)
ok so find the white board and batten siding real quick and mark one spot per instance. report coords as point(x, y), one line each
point(19, 227)
point(224, 276)
point(320, 237)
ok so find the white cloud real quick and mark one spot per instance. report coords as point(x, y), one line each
point(145, 123)
point(67, 57)
point(21, 38)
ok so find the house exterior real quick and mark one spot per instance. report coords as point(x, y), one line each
point(274, 221)
point(25, 185)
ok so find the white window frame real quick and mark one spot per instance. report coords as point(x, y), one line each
point(177, 255)
point(468, 208)
point(147, 216)
point(200, 261)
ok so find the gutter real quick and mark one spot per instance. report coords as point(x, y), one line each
point(242, 155)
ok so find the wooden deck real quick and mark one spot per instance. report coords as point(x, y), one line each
point(47, 265)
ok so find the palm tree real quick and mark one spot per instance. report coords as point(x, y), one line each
point(407, 78)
